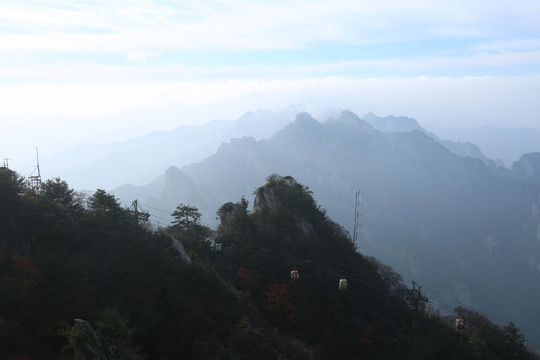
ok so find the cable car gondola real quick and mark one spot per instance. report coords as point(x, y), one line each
point(460, 324)
point(218, 247)
point(343, 284)
point(295, 276)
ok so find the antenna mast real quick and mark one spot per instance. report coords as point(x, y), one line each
point(358, 202)
point(35, 180)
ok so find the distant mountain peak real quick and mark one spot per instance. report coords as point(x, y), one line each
point(178, 178)
point(349, 118)
point(243, 143)
point(348, 114)
point(304, 127)
point(393, 123)
point(305, 119)
point(256, 115)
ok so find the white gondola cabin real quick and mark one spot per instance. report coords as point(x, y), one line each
point(219, 247)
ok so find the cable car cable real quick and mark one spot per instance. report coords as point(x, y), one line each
point(359, 279)
point(489, 316)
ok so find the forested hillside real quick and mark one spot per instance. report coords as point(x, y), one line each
point(279, 281)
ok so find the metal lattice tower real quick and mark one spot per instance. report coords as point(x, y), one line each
point(35, 180)
point(138, 211)
point(358, 204)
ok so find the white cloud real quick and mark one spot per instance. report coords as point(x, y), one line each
point(82, 60)
point(433, 99)
point(142, 71)
point(149, 27)
point(141, 57)
point(508, 45)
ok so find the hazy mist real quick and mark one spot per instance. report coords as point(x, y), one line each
point(430, 109)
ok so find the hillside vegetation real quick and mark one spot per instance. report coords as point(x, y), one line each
point(66, 256)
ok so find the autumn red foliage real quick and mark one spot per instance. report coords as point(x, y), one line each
point(280, 303)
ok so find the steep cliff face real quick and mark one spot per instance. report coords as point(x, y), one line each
point(266, 199)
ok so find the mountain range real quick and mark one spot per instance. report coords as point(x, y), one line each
point(138, 161)
point(466, 228)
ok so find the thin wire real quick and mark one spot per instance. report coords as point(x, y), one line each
point(153, 208)
point(170, 213)
point(489, 316)
point(340, 274)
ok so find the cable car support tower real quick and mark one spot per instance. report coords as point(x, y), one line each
point(139, 212)
point(358, 204)
point(35, 180)
point(417, 299)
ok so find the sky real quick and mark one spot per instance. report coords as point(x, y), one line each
point(73, 72)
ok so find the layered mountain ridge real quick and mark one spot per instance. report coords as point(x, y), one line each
point(443, 220)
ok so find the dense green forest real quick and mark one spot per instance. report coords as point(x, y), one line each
point(280, 281)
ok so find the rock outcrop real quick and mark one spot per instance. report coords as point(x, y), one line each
point(86, 345)
point(227, 213)
point(278, 194)
point(179, 248)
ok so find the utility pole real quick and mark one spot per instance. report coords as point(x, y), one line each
point(416, 345)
